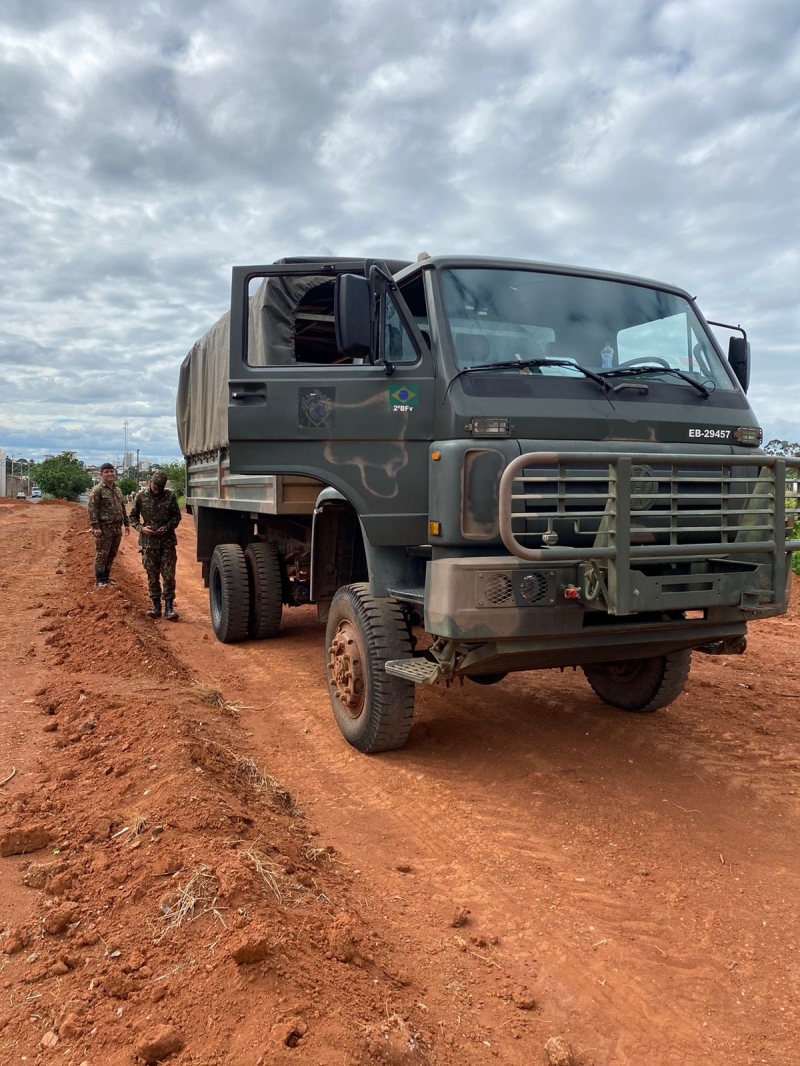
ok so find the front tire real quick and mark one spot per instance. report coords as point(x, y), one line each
point(266, 590)
point(641, 685)
point(228, 593)
point(373, 709)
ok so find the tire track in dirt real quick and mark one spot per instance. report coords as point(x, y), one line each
point(625, 863)
point(136, 788)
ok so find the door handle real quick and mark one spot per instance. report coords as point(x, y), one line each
point(247, 393)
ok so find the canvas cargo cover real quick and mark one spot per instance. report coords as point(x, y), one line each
point(202, 402)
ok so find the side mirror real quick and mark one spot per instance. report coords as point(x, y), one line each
point(353, 314)
point(739, 359)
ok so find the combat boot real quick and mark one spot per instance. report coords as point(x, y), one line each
point(155, 610)
point(100, 579)
point(170, 613)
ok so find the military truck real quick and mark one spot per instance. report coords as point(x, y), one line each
point(477, 466)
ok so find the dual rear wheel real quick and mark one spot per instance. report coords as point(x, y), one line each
point(245, 592)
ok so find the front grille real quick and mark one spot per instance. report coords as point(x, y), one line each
point(652, 532)
point(666, 504)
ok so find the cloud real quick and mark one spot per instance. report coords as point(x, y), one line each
point(145, 148)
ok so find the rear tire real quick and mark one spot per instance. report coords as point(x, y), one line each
point(373, 709)
point(266, 590)
point(228, 593)
point(641, 685)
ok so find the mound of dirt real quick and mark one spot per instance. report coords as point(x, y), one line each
point(196, 869)
point(181, 905)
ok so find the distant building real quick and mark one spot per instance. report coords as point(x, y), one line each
point(15, 479)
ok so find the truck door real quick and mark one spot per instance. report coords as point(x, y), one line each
point(296, 406)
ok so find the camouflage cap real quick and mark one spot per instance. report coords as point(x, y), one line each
point(159, 479)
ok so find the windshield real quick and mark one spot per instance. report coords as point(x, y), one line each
point(504, 316)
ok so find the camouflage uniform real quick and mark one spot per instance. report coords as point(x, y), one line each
point(159, 554)
point(106, 513)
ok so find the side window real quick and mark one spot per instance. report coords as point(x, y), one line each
point(397, 346)
point(291, 321)
point(699, 360)
point(314, 335)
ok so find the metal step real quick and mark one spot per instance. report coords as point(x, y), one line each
point(420, 671)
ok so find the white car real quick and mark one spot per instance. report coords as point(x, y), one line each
point(36, 494)
point(21, 496)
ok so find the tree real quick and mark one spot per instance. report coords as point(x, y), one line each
point(176, 475)
point(782, 447)
point(128, 485)
point(62, 476)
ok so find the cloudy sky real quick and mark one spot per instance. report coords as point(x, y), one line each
point(146, 147)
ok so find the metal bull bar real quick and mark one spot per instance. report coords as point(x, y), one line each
point(738, 512)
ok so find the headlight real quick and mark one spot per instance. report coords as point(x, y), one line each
point(748, 435)
point(489, 427)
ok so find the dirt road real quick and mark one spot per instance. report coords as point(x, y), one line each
point(208, 863)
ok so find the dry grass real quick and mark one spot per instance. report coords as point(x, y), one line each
point(268, 871)
point(318, 856)
point(212, 697)
point(190, 901)
point(249, 774)
point(245, 772)
point(138, 822)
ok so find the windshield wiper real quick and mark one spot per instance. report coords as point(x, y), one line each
point(632, 371)
point(526, 364)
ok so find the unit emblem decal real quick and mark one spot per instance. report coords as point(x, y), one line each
point(316, 408)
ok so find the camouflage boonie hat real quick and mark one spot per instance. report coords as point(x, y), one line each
point(159, 479)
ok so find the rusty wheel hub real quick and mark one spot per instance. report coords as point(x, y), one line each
point(345, 668)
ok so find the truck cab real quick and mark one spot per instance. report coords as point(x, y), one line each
point(514, 466)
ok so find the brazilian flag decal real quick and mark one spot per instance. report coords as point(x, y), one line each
point(402, 397)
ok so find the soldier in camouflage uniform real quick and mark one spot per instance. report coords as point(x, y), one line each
point(155, 514)
point(108, 519)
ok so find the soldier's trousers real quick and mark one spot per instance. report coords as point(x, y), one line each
point(159, 559)
point(106, 547)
